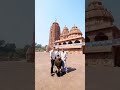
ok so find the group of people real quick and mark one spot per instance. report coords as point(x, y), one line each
point(58, 59)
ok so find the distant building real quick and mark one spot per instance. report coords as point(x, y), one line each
point(71, 41)
point(30, 53)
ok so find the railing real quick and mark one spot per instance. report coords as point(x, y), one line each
point(94, 44)
point(65, 45)
point(103, 43)
point(116, 41)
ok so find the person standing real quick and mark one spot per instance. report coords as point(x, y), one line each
point(58, 62)
point(52, 58)
point(58, 53)
point(64, 57)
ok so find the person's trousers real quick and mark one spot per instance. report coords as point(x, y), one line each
point(52, 65)
point(64, 65)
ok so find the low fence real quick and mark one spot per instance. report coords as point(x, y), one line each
point(93, 44)
point(103, 43)
point(69, 45)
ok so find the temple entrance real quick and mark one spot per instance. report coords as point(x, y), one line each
point(87, 39)
point(64, 43)
point(116, 55)
point(77, 41)
point(100, 37)
point(70, 42)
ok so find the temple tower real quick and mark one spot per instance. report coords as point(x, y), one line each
point(100, 29)
point(53, 35)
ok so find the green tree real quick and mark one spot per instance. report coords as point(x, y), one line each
point(39, 47)
point(10, 49)
point(2, 43)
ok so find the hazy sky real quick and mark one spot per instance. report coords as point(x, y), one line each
point(17, 18)
point(67, 12)
point(17, 21)
point(113, 6)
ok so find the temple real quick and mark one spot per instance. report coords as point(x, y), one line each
point(69, 40)
point(102, 46)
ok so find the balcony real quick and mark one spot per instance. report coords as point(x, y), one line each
point(103, 43)
point(75, 45)
point(101, 46)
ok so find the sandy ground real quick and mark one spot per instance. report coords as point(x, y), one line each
point(17, 75)
point(74, 80)
point(102, 78)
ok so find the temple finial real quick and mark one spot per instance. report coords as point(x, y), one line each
point(55, 20)
point(96, 0)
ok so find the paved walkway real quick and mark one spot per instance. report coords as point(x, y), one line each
point(74, 80)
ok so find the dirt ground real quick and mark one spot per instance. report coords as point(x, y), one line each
point(16, 75)
point(74, 80)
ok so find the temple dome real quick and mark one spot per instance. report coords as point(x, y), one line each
point(75, 30)
point(95, 9)
point(65, 31)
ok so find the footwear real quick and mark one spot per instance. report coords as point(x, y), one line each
point(56, 71)
point(52, 74)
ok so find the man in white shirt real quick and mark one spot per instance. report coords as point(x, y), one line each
point(52, 58)
point(58, 62)
point(64, 57)
point(58, 53)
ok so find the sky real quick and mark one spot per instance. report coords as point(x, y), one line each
point(113, 7)
point(66, 12)
point(17, 18)
point(17, 21)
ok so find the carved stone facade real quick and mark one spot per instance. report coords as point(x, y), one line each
point(71, 41)
point(53, 35)
point(100, 34)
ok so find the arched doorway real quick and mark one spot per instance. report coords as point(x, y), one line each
point(59, 43)
point(77, 41)
point(64, 43)
point(100, 37)
point(87, 39)
point(55, 43)
point(70, 42)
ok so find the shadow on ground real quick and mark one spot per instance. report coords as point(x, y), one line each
point(70, 69)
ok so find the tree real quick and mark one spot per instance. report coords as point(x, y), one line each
point(10, 49)
point(2, 42)
point(26, 48)
point(38, 46)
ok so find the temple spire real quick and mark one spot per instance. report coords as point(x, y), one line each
point(95, 0)
point(55, 20)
